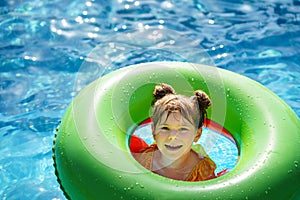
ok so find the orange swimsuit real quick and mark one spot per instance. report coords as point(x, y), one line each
point(203, 170)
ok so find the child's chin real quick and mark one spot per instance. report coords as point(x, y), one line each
point(173, 155)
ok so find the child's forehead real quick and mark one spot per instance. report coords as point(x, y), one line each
point(171, 117)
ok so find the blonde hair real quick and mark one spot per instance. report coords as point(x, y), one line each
point(191, 108)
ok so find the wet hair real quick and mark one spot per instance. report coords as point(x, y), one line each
point(191, 108)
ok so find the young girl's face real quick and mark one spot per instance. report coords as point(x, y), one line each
point(174, 135)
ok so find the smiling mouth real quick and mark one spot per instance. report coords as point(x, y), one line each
point(173, 148)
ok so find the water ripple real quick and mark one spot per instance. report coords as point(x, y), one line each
point(49, 50)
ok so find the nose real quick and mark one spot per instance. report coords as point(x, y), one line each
point(173, 134)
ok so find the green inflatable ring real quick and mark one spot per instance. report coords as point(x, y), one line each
point(91, 152)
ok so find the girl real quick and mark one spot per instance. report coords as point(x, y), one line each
point(177, 123)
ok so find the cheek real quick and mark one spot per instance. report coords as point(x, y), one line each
point(159, 136)
point(189, 138)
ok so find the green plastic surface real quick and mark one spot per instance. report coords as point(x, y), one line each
point(93, 160)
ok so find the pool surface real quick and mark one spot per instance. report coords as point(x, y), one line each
point(49, 50)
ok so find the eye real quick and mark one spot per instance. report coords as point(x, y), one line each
point(165, 128)
point(183, 129)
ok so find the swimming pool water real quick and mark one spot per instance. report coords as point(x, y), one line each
point(49, 50)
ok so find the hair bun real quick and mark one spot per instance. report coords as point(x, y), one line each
point(162, 90)
point(203, 99)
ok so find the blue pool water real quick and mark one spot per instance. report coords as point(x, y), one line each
point(50, 49)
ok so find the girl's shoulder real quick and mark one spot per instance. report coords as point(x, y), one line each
point(145, 156)
point(203, 170)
